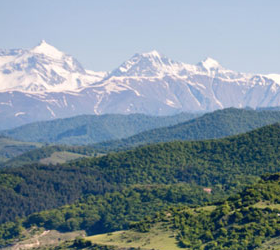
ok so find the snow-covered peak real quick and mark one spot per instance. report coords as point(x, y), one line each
point(152, 53)
point(274, 77)
point(149, 64)
point(43, 68)
point(210, 64)
point(48, 50)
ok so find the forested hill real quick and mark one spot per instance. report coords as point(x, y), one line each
point(86, 129)
point(248, 220)
point(217, 124)
point(224, 165)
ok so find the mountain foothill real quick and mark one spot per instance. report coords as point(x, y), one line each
point(155, 154)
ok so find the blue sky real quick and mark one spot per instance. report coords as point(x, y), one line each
point(243, 35)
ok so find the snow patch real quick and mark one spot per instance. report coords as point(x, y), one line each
point(51, 111)
point(19, 113)
point(48, 50)
point(274, 77)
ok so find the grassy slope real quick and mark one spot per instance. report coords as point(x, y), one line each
point(261, 198)
point(61, 157)
point(159, 237)
point(39, 239)
point(10, 148)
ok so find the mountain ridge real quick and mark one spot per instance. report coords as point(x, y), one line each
point(49, 84)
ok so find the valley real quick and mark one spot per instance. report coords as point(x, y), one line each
point(141, 189)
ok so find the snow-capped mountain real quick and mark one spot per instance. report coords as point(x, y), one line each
point(44, 83)
point(43, 68)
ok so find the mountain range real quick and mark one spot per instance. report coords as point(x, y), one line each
point(44, 83)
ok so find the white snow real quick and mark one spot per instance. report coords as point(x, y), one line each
point(7, 103)
point(19, 113)
point(48, 50)
point(51, 111)
point(50, 77)
point(210, 63)
point(170, 103)
point(274, 77)
point(44, 68)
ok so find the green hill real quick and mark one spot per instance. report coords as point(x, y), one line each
point(87, 129)
point(248, 220)
point(245, 221)
point(50, 155)
point(217, 124)
point(213, 125)
point(109, 192)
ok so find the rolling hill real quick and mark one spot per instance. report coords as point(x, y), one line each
point(87, 129)
point(108, 193)
point(10, 148)
point(213, 125)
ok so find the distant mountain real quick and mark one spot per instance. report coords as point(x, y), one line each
point(43, 68)
point(43, 83)
point(87, 129)
point(218, 124)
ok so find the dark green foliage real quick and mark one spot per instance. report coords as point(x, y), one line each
point(45, 187)
point(226, 165)
point(123, 187)
point(112, 211)
point(81, 243)
point(218, 124)
point(235, 223)
point(115, 211)
point(92, 128)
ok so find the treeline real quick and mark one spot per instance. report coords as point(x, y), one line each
point(227, 164)
point(218, 124)
point(224, 165)
point(85, 129)
point(111, 211)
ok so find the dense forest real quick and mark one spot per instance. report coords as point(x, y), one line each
point(87, 129)
point(218, 124)
point(119, 179)
point(243, 221)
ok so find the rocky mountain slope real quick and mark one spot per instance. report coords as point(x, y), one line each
point(43, 83)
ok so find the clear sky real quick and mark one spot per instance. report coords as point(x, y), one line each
point(243, 35)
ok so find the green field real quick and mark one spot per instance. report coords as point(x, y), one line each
point(61, 157)
point(10, 148)
point(160, 237)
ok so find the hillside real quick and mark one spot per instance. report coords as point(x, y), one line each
point(10, 148)
point(245, 221)
point(87, 129)
point(248, 220)
point(217, 124)
point(127, 184)
point(226, 122)
point(50, 155)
